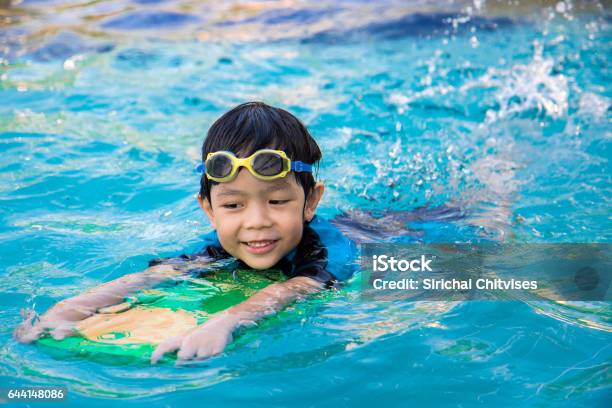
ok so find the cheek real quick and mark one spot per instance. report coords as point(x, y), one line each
point(227, 230)
point(293, 227)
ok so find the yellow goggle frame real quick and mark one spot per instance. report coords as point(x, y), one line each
point(247, 162)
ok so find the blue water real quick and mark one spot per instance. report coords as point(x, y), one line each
point(503, 112)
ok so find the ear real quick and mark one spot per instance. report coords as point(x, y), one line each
point(207, 208)
point(313, 200)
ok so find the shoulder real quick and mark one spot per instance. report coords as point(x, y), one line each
point(212, 247)
point(325, 252)
point(342, 252)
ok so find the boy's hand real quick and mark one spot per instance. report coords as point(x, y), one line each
point(211, 337)
point(202, 342)
point(61, 320)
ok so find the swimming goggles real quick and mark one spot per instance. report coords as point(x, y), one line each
point(265, 164)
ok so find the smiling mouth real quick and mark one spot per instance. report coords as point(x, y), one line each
point(260, 247)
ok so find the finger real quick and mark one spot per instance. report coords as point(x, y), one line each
point(27, 314)
point(187, 352)
point(63, 331)
point(204, 352)
point(218, 347)
point(26, 333)
point(166, 346)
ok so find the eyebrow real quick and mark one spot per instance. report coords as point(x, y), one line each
point(227, 192)
point(276, 186)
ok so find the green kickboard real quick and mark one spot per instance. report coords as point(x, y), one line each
point(132, 332)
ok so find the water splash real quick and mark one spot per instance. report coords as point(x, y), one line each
point(525, 88)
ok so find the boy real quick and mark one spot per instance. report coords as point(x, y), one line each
point(260, 196)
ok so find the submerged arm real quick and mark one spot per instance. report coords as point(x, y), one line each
point(273, 298)
point(63, 317)
point(211, 337)
point(115, 291)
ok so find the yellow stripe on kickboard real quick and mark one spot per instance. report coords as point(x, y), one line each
point(136, 325)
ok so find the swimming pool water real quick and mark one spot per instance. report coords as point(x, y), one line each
point(501, 111)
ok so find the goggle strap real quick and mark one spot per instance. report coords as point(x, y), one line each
point(299, 166)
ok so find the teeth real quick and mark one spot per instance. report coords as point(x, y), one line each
point(259, 244)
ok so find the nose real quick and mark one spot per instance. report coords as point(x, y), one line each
point(257, 217)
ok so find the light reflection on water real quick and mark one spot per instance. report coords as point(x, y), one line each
point(497, 111)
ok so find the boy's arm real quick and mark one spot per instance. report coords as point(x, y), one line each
point(211, 337)
point(62, 317)
point(273, 298)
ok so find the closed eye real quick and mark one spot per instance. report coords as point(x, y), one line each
point(279, 202)
point(230, 206)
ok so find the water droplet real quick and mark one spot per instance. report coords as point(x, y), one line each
point(560, 7)
point(69, 65)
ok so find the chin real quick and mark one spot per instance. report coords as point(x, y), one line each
point(261, 264)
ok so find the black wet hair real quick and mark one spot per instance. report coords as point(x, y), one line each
point(253, 126)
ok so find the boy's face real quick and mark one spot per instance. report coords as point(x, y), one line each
point(259, 222)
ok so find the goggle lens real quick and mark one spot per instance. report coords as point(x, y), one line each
point(219, 165)
point(268, 164)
